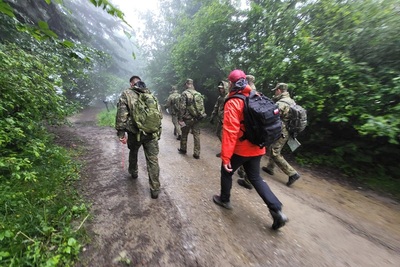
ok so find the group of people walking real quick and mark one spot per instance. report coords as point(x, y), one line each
point(187, 110)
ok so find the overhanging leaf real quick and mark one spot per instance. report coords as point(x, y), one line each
point(6, 9)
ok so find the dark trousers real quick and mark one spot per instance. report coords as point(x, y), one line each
point(252, 168)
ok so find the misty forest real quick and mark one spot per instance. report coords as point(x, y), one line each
point(340, 58)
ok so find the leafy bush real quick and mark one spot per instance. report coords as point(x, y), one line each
point(36, 227)
point(29, 98)
point(37, 201)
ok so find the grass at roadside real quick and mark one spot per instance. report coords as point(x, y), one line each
point(41, 219)
point(107, 118)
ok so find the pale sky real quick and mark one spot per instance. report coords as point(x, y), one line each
point(131, 7)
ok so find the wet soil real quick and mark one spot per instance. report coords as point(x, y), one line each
point(331, 224)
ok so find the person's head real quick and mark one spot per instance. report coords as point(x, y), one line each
point(237, 80)
point(174, 89)
point(134, 79)
point(251, 79)
point(221, 88)
point(189, 83)
point(280, 88)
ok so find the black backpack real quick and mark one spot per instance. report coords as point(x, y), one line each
point(297, 119)
point(261, 119)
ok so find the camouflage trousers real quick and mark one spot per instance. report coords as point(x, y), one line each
point(275, 157)
point(192, 126)
point(150, 148)
point(177, 127)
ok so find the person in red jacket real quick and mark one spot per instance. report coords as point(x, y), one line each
point(236, 152)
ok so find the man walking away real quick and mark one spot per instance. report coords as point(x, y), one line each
point(283, 100)
point(218, 111)
point(129, 120)
point(236, 152)
point(172, 104)
point(191, 111)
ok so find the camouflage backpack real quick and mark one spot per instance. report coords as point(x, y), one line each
point(175, 103)
point(146, 114)
point(195, 105)
point(297, 119)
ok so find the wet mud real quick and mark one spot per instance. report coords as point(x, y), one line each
point(330, 224)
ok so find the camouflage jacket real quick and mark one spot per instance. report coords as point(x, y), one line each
point(172, 103)
point(218, 110)
point(284, 101)
point(126, 103)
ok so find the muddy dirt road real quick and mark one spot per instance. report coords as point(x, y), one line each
point(330, 225)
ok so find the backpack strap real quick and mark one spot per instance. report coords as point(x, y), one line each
point(243, 97)
point(294, 103)
point(193, 92)
point(194, 102)
point(290, 106)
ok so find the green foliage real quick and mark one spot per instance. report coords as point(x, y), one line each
point(38, 216)
point(110, 8)
point(36, 198)
point(42, 215)
point(341, 60)
point(6, 9)
point(29, 98)
point(107, 118)
point(203, 41)
point(83, 60)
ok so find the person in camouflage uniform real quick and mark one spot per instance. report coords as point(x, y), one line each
point(135, 139)
point(172, 104)
point(188, 122)
point(218, 111)
point(244, 181)
point(251, 79)
point(283, 100)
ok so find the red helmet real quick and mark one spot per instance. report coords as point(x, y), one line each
point(235, 75)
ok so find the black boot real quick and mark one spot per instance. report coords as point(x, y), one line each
point(280, 219)
point(293, 178)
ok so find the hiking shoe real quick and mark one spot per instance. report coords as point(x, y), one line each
point(179, 137)
point(218, 155)
point(270, 172)
point(279, 219)
point(181, 151)
point(244, 183)
point(196, 156)
point(217, 200)
point(134, 176)
point(293, 178)
point(154, 194)
point(241, 172)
